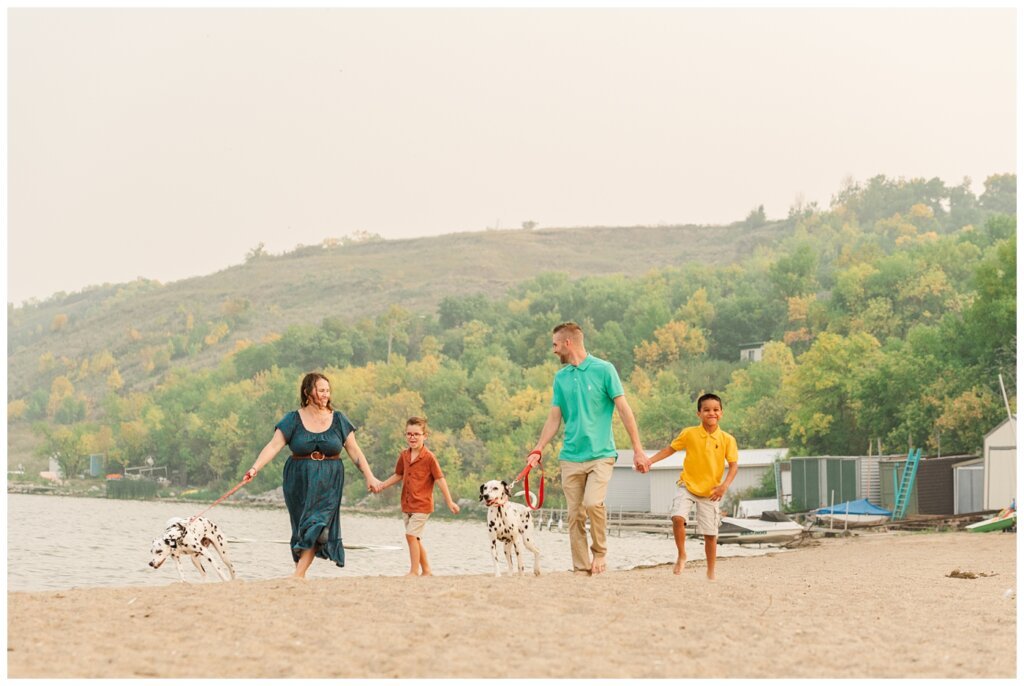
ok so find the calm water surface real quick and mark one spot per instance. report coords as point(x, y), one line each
point(56, 542)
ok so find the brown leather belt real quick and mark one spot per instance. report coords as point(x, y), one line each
point(317, 455)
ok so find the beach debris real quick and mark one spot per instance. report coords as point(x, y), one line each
point(1009, 593)
point(957, 574)
point(132, 600)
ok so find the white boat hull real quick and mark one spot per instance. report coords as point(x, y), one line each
point(739, 530)
point(853, 519)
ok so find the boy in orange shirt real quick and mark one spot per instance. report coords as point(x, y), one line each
point(418, 470)
point(700, 483)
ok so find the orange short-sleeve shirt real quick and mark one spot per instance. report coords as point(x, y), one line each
point(418, 480)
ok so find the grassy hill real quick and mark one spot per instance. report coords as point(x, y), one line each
point(138, 320)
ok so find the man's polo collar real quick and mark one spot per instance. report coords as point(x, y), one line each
point(582, 366)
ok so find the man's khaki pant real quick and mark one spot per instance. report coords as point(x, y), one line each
point(585, 485)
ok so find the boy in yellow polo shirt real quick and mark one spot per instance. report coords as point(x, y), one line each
point(700, 483)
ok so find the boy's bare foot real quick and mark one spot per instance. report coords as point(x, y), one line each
point(680, 565)
point(412, 574)
point(599, 565)
point(297, 577)
point(711, 575)
point(427, 573)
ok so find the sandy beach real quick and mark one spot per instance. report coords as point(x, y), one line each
point(865, 606)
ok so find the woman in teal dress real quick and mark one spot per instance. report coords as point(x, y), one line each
point(314, 475)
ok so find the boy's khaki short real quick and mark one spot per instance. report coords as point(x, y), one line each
point(708, 516)
point(414, 523)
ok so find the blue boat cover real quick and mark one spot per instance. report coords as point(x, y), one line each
point(859, 507)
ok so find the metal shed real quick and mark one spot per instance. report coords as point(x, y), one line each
point(1000, 457)
point(629, 490)
point(820, 481)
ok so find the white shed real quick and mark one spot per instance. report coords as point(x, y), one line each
point(1000, 458)
point(632, 491)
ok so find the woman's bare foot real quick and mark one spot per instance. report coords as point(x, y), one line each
point(680, 565)
point(599, 565)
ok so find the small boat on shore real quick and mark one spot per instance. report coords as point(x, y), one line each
point(1004, 520)
point(853, 513)
point(771, 527)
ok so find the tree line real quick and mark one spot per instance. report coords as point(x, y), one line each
point(885, 319)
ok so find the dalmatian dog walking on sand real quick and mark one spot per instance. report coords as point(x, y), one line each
point(192, 538)
point(508, 523)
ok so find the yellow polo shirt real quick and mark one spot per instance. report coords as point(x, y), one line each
point(706, 455)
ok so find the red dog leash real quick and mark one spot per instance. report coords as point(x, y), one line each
point(524, 476)
point(217, 501)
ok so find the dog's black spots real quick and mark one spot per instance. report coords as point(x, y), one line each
point(508, 524)
point(192, 539)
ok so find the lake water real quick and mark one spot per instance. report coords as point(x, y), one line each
point(56, 542)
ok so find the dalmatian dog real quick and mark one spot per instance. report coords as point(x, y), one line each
point(509, 523)
point(191, 538)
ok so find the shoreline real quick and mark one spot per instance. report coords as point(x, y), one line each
point(868, 607)
point(247, 501)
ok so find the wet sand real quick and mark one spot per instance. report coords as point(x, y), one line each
point(867, 606)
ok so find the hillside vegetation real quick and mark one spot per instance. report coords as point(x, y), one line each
point(146, 325)
point(885, 318)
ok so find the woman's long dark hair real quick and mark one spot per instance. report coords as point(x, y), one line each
point(306, 389)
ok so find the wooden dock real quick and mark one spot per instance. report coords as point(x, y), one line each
point(619, 521)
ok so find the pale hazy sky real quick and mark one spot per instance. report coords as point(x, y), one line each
point(167, 143)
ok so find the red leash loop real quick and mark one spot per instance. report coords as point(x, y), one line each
point(524, 476)
point(217, 501)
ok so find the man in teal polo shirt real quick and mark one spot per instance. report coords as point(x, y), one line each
point(586, 391)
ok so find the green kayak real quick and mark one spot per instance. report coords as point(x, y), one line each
point(998, 523)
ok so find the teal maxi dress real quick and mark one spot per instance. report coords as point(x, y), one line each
point(312, 488)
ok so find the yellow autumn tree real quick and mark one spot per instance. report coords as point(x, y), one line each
point(671, 342)
point(60, 389)
point(16, 409)
point(114, 381)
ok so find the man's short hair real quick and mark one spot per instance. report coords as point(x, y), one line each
point(571, 330)
point(708, 396)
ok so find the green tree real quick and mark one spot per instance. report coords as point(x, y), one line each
point(793, 274)
point(64, 443)
point(662, 408)
point(1000, 194)
point(821, 394)
point(989, 338)
point(755, 410)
